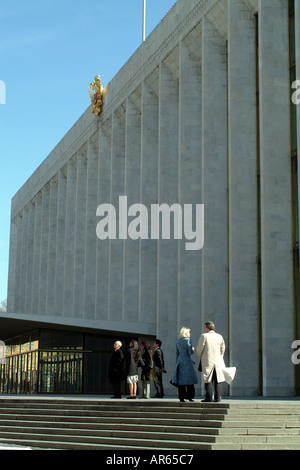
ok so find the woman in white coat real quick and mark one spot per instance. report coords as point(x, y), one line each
point(211, 349)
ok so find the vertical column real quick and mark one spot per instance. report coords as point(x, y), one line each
point(70, 237)
point(23, 260)
point(51, 261)
point(243, 296)
point(37, 253)
point(80, 231)
point(90, 236)
point(214, 179)
point(44, 250)
point(132, 191)
point(30, 245)
point(296, 185)
point(12, 266)
point(117, 189)
point(18, 263)
point(149, 195)
point(167, 256)
point(60, 240)
point(276, 232)
point(297, 44)
point(297, 256)
point(297, 41)
point(190, 169)
point(103, 252)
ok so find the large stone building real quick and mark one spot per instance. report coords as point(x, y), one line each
point(202, 113)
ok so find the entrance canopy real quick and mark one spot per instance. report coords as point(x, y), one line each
point(14, 324)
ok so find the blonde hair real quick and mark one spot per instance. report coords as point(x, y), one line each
point(184, 331)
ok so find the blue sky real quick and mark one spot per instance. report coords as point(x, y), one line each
point(50, 51)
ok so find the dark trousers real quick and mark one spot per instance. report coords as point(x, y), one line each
point(213, 388)
point(116, 389)
point(186, 392)
point(158, 383)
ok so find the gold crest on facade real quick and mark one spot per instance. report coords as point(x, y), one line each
point(95, 92)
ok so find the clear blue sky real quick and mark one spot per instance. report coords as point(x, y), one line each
point(50, 51)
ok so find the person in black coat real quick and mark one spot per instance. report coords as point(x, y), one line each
point(158, 359)
point(115, 370)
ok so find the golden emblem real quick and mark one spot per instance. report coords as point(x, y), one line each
point(95, 92)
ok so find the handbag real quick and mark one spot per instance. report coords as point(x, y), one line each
point(175, 385)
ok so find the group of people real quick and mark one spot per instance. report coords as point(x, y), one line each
point(125, 367)
point(210, 350)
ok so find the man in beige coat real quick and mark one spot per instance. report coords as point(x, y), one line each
point(210, 349)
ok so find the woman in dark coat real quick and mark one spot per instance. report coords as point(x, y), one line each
point(132, 362)
point(184, 375)
point(148, 370)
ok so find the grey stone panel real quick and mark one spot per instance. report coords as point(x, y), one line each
point(23, 260)
point(19, 221)
point(37, 252)
point(60, 241)
point(214, 179)
point(131, 280)
point(167, 255)
point(43, 279)
point(297, 31)
point(149, 195)
point(242, 181)
point(90, 238)
point(190, 178)
point(52, 245)
point(80, 233)
point(12, 266)
point(70, 238)
point(29, 251)
point(102, 246)
point(116, 247)
point(277, 273)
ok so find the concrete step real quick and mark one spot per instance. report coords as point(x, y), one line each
point(95, 427)
point(268, 411)
point(189, 408)
point(261, 423)
point(110, 440)
point(116, 420)
point(96, 424)
point(255, 446)
point(183, 415)
point(121, 405)
point(60, 441)
point(199, 437)
point(162, 435)
point(240, 431)
point(128, 427)
point(57, 445)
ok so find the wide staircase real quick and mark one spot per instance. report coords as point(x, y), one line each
point(98, 424)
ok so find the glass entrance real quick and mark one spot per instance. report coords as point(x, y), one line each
point(60, 372)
